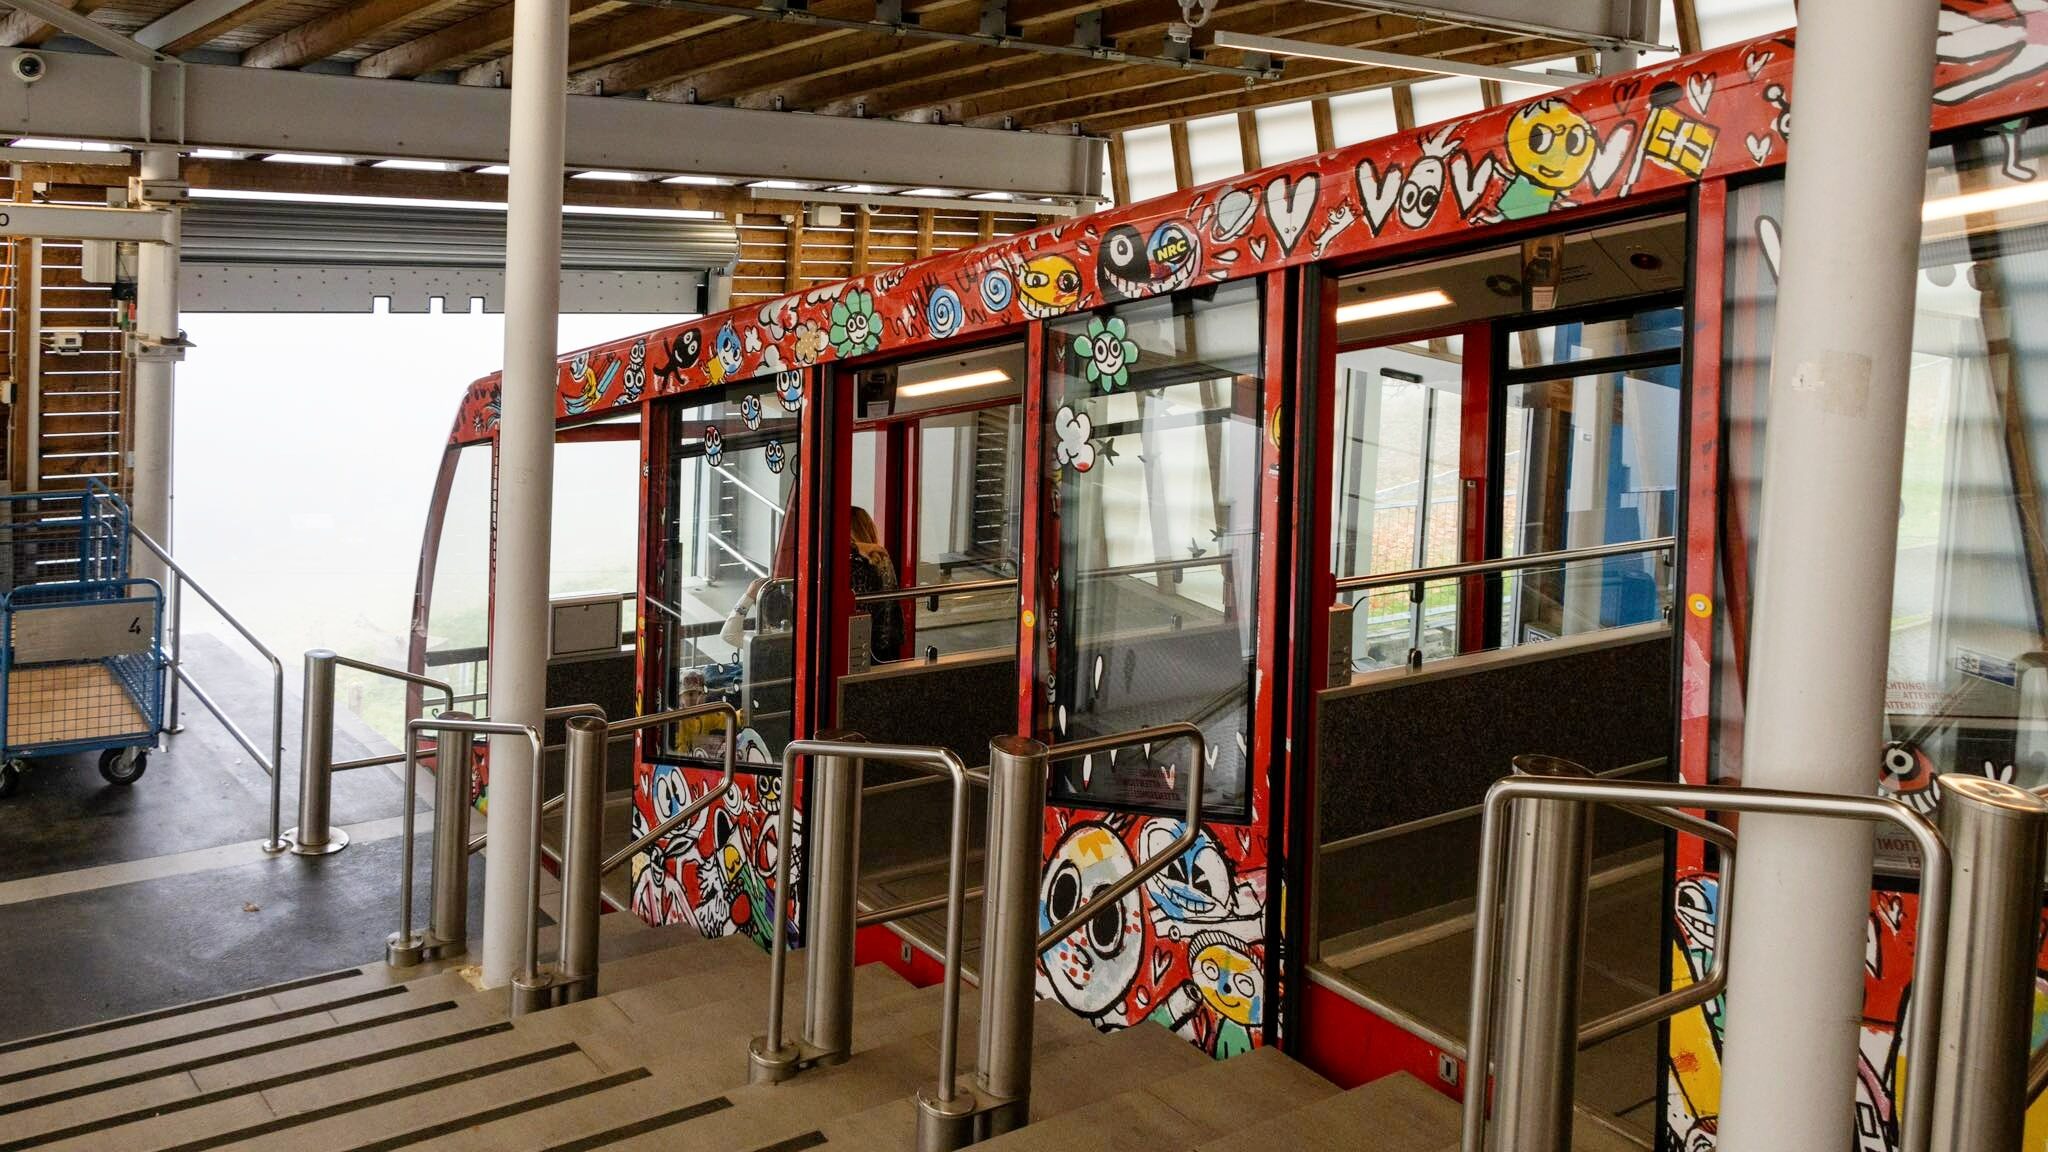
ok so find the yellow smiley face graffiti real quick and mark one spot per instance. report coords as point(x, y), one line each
point(1229, 980)
point(1551, 144)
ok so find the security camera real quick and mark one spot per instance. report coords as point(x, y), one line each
point(29, 67)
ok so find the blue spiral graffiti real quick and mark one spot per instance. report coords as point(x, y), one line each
point(996, 290)
point(942, 313)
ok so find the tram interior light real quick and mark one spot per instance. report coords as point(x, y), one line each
point(1988, 200)
point(953, 383)
point(1393, 306)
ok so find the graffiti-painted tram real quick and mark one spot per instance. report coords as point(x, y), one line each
point(1381, 466)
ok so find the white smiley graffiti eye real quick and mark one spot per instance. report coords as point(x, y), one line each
point(1121, 250)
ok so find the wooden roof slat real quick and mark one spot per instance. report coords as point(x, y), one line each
point(487, 31)
point(21, 30)
point(220, 26)
point(332, 32)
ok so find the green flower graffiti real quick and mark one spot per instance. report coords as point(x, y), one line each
point(1109, 354)
point(856, 330)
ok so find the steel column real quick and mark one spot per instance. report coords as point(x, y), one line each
point(582, 856)
point(833, 848)
point(156, 322)
point(448, 898)
point(1827, 539)
point(526, 466)
point(1009, 930)
point(316, 835)
point(1996, 835)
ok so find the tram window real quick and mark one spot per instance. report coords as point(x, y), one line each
point(1153, 429)
point(938, 469)
point(1967, 686)
point(1396, 501)
point(1590, 459)
point(725, 599)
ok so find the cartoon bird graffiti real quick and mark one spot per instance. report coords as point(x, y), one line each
point(585, 387)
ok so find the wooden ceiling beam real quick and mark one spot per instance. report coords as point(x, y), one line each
point(222, 25)
point(591, 39)
point(1140, 26)
point(1033, 97)
point(487, 31)
point(21, 30)
point(814, 62)
point(337, 30)
point(1187, 102)
point(714, 71)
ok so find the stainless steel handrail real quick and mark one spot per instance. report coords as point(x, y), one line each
point(447, 693)
point(928, 759)
point(272, 764)
point(1191, 824)
point(711, 795)
point(1151, 567)
point(1503, 564)
point(1928, 962)
point(1425, 823)
point(934, 591)
point(563, 712)
point(442, 724)
point(890, 913)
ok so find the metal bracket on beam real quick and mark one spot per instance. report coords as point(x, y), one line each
point(1088, 29)
point(151, 349)
point(995, 20)
point(891, 12)
point(157, 193)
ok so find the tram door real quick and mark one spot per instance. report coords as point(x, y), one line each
point(926, 498)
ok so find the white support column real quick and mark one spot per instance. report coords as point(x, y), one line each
point(156, 322)
point(1828, 531)
point(526, 464)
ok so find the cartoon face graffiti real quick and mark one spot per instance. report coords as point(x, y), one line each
point(1196, 889)
point(1909, 776)
point(1048, 285)
point(1092, 966)
point(790, 387)
point(1132, 264)
point(750, 411)
point(1550, 144)
point(1229, 979)
point(714, 445)
point(774, 455)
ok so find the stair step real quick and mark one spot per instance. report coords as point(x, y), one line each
point(194, 1009)
point(1401, 1114)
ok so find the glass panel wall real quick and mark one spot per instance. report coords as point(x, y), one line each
point(724, 599)
point(1153, 428)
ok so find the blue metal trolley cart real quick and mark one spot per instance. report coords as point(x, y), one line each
point(81, 642)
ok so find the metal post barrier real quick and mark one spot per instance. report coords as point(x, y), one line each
point(1996, 834)
point(582, 856)
point(1009, 931)
point(1550, 863)
point(833, 853)
point(315, 836)
point(405, 948)
point(1923, 1014)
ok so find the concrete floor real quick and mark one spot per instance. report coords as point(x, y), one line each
point(120, 900)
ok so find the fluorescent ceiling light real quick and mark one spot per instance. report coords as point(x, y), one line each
point(642, 213)
point(1393, 306)
point(494, 170)
point(796, 185)
point(930, 192)
point(600, 174)
point(1989, 200)
point(1277, 46)
point(63, 145)
point(952, 383)
point(305, 158)
point(856, 188)
point(413, 165)
point(992, 196)
point(716, 181)
point(218, 154)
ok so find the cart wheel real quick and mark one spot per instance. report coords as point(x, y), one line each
point(123, 766)
point(10, 780)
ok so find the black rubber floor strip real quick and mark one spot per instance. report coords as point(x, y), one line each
point(202, 1034)
point(83, 1090)
point(219, 1094)
point(811, 1139)
point(174, 1010)
point(502, 1112)
point(642, 1127)
point(343, 1108)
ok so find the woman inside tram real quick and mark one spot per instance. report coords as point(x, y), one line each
point(874, 571)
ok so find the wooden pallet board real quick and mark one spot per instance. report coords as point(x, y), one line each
point(59, 703)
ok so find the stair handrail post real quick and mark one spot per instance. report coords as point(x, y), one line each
point(582, 855)
point(315, 834)
point(1549, 869)
point(832, 858)
point(1009, 929)
point(1998, 835)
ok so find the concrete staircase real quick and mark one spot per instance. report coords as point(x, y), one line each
point(362, 1062)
